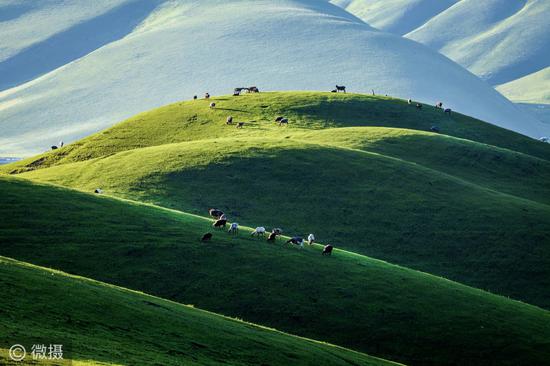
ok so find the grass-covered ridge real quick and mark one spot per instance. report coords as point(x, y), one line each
point(347, 299)
point(103, 324)
point(379, 205)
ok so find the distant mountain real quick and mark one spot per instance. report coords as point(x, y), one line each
point(171, 50)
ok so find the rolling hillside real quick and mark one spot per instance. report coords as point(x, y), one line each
point(100, 324)
point(124, 57)
point(455, 207)
point(347, 299)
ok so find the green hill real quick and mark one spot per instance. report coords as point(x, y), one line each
point(346, 299)
point(102, 324)
point(389, 202)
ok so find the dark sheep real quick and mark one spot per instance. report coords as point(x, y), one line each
point(194, 97)
point(215, 213)
point(327, 250)
point(229, 120)
point(334, 91)
point(212, 105)
point(206, 96)
point(278, 119)
point(296, 241)
point(54, 147)
point(240, 125)
point(434, 129)
point(272, 236)
point(206, 237)
point(284, 121)
point(220, 223)
point(340, 88)
point(448, 111)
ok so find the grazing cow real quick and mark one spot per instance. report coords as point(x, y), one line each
point(310, 239)
point(54, 147)
point(215, 213)
point(98, 191)
point(259, 231)
point(240, 124)
point(233, 229)
point(278, 119)
point(327, 249)
point(229, 120)
point(206, 237)
point(439, 105)
point(418, 106)
point(434, 129)
point(284, 121)
point(212, 105)
point(448, 111)
point(253, 89)
point(220, 223)
point(340, 88)
point(296, 240)
point(206, 96)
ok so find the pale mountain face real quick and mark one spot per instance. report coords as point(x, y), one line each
point(172, 50)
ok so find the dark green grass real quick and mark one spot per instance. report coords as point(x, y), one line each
point(369, 203)
point(347, 299)
point(102, 324)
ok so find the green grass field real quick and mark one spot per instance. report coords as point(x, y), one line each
point(347, 299)
point(100, 324)
point(461, 204)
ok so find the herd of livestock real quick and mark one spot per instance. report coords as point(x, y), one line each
point(221, 223)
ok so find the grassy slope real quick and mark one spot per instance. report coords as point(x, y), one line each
point(103, 324)
point(347, 299)
point(369, 203)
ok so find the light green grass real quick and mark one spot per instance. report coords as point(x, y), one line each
point(102, 324)
point(346, 299)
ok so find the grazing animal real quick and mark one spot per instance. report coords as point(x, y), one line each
point(340, 88)
point(259, 231)
point(233, 228)
point(544, 139)
point(448, 111)
point(206, 237)
point(272, 237)
point(98, 191)
point(434, 129)
point(54, 147)
point(334, 91)
point(418, 106)
point(295, 240)
point(409, 101)
point(327, 250)
point(229, 120)
point(372, 91)
point(240, 124)
point(277, 231)
point(212, 105)
point(215, 213)
point(61, 144)
point(284, 121)
point(220, 223)
point(439, 105)
point(310, 239)
point(194, 97)
point(206, 96)
point(278, 119)
point(253, 89)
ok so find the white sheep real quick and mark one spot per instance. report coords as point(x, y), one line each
point(212, 105)
point(259, 231)
point(310, 239)
point(233, 228)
